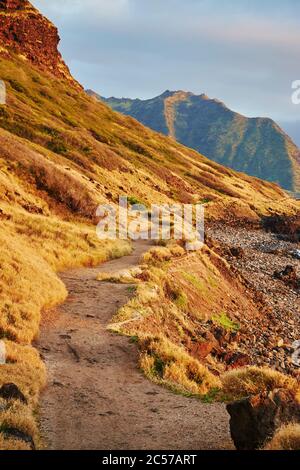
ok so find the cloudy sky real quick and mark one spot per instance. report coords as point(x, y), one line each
point(244, 52)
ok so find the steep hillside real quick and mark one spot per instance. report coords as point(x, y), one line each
point(256, 146)
point(61, 154)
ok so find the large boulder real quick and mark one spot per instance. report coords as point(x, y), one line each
point(286, 227)
point(254, 420)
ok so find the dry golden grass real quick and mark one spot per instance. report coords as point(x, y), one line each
point(157, 255)
point(19, 416)
point(27, 285)
point(24, 368)
point(240, 383)
point(31, 253)
point(34, 248)
point(177, 251)
point(160, 254)
point(126, 276)
point(68, 137)
point(286, 438)
point(170, 365)
point(13, 444)
point(178, 291)
point(171, 303)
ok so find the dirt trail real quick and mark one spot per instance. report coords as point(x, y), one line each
point(96, 397)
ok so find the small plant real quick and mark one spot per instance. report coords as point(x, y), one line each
point(225, 322)
point(57, 145)
point(161, 242)
point(206, 200)
point(212, 282)
point(134, 201)
point(159, 366)
point(156, 256)
point(169, 364)
point(179, 298)
point(195, 281)
point(131, 289)
point(212, 396)
point(134, 340)
point(181, 301)
point(49, 131)
point(87, 149)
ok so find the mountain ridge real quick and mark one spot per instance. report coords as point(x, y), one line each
point(256, 146)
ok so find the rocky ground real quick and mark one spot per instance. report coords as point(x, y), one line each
point(272, 275)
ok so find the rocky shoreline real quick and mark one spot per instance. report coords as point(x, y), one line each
point(270, 269)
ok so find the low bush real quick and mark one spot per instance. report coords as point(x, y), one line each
point(240, 383)
point(169, 364)
point(286, 438)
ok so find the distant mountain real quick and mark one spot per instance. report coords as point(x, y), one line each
point(256, 146)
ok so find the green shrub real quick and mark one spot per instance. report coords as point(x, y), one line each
point(225, 322)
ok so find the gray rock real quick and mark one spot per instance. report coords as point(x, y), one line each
point(296, 254)
point(254, 421)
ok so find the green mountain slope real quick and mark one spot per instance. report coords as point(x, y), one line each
point(256, 146)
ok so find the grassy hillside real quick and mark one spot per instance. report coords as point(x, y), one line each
point(62, 135)
point(61, 154)
point(190, 317)
point(255, 146)
point(181, 299)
